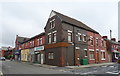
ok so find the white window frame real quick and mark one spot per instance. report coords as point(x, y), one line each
point(52, 25)
point(85, 52)
point(97, 42)
point(91, 50)
point(40, 41)
point(54, 32)
point(50, 55)
point(69, 35)
point(84, 38)
point(80, 37)
point(49, 38)
point(91, 38)
point(102, 51)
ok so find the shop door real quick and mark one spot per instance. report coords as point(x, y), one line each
point(42, 58)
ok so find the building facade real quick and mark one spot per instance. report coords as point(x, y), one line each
point(67, 42)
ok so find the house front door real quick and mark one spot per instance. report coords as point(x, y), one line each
point(97, 56)
point(77, 57)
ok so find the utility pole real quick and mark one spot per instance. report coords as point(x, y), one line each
point(110, 34)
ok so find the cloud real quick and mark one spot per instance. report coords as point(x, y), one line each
point(29, 19)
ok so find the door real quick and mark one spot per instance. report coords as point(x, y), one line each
point(42, 58)
point(77, 57)
point(97, 56)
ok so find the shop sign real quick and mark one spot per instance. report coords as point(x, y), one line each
point(39, 48)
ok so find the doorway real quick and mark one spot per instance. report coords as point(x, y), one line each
point(42, 58)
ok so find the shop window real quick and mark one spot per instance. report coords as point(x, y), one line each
point(50, 55)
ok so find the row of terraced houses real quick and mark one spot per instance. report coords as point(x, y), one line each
point(66, 42)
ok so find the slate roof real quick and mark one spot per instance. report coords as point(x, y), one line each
point(74, 22)
point(22, 39)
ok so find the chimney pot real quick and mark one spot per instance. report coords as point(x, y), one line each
point(113, 39)
point(105, 37)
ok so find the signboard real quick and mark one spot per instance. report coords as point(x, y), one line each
point(39, 48)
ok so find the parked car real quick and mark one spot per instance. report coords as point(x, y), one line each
point(2, 58)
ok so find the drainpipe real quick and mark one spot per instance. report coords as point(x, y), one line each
point(74, 46)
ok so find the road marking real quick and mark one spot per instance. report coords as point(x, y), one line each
point(89, 72)
point(113, 72)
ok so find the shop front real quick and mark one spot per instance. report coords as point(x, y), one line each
point(31, 55)
point(17, 54)
point(39, 55)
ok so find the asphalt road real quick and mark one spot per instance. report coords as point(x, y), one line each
point(12, 67)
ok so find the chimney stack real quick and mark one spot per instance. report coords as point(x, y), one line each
point(105, 37)
point(113, 39)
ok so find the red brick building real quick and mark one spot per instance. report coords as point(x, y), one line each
point(97, 48)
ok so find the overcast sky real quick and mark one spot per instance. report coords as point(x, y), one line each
point(28, 18)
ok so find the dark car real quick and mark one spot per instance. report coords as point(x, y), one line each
point(2, 58)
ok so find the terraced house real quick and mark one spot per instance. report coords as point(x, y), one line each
point(69, 41)
point(33, 49)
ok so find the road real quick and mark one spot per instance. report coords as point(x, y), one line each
point(12, 67)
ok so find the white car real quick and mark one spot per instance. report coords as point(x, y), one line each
point(2, 58)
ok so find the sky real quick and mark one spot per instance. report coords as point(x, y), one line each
point(28, 18)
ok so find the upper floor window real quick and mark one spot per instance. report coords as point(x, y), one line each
point(54, 37)
point(52, 23)
point(40, 41)
point(49, 38)
point(37, 41)
point(32, 43)
point(84, 38)
point(102, 43)
point(97, 41)
point(91, 40)
point(69, 36)
point(79, 37)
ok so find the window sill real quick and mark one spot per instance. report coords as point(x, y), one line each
point(102, 59)
point(86, 56)
point(53, 42)
point(92, 59)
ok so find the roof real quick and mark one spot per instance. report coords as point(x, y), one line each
point(22, 39)
point(113, 42)
point(74, 22)
point(43, 33)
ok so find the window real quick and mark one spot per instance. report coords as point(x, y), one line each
point(49, 38)
point(54, 37)
point(91, 54)
point(37, 41)
point(32, 43)
point(69, 36)
point(22, 46)
point(102, 43)
point(52, 23)
point(84, 38)
point(96, 41)
point(40, 41)
point(50, 55)
point(91, 40)
point(85, 52)
point(102, 55)
point(79, 37)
